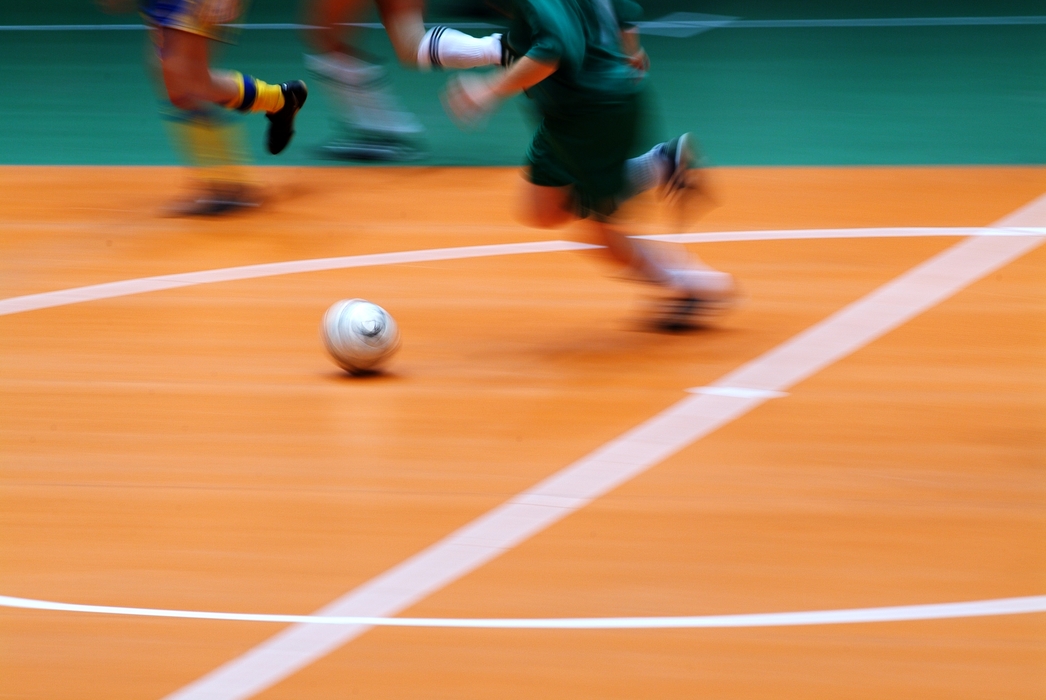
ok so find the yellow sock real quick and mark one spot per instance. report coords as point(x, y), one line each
point(256, 95)
point(269, 99)
point(211, 145)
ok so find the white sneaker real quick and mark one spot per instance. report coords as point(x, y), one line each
point(701, 283)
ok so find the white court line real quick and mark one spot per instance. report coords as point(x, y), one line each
point(111, 290)
point(829, 233)
point(618, 461)
point(898, 613)
point(738, 392)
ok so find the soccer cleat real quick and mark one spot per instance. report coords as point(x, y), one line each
point(281, 126)
point(371, 123)
point(216, 200)
point(699, 294)
point(373, 147)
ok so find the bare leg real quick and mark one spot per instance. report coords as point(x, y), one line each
point(667, 266)
point(406, 28)
point(371, 123)
point(546, 207)
point(190, 83)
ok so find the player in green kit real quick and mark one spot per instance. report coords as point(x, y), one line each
point(581, 63)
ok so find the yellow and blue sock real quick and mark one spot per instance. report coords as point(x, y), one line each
point(256, 95)
point(211, 143)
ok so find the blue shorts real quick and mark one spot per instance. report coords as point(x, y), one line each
point(183, 15)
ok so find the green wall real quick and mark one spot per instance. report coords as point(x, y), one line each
point(831, 96)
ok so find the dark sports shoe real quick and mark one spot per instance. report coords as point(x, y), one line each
point(216, 200)
point(376, 148)
point(281, 127)
point(686, 312)
point(698, 295)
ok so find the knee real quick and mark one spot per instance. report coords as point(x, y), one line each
point(545, 217)
point(546, 207)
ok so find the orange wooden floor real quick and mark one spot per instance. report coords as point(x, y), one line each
point(195, 449)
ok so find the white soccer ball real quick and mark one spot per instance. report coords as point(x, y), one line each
point(359, 335)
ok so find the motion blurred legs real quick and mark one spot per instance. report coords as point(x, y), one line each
point(200, 96)
point(695, 289)
point(369, 122)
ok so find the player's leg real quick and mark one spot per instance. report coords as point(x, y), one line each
point(211, 142)
point(438, 47)
point(578, 169)
point(369, 121)
point(185, 66)
point(546, 206)
point(208, 138)
point(192, 84)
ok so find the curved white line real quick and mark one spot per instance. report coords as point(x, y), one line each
point(936, 611)
point(110, 290)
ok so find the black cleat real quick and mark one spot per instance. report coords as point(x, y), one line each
point(282, 121)
point(684, 314)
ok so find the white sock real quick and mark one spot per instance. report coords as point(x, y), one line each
point(443, 47)
point(647, 171)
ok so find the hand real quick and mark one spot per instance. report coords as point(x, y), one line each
point(469, 98)
point(640, 61)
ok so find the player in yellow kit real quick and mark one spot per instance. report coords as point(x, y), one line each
point(200, 96)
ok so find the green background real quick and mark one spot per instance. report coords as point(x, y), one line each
point(773, 96)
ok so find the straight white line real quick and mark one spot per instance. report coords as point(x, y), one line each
point(111, 290)
point(829, 233)
point(611, 465)
point(738, 392)
point(889, 22)
point(899, 613)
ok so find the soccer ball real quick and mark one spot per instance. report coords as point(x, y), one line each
point(359, 335)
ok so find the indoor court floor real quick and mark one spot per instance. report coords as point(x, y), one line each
point(182, 442)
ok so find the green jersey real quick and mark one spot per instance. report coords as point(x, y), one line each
point(584, 38)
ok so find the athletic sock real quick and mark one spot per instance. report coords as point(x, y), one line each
point(210, 142)
point(647, 171)
point(256, 95)
point(443, 47)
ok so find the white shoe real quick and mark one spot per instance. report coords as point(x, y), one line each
point(362, 96)
point(701, 283)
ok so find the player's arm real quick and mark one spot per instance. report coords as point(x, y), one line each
point(469, 97)
point(637, 57)
point(522, 75)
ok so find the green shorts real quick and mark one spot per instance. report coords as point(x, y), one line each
point(587, 150)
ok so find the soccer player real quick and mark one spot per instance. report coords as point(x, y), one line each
point(370, 120)
point(581, 63)
point(182, 31)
